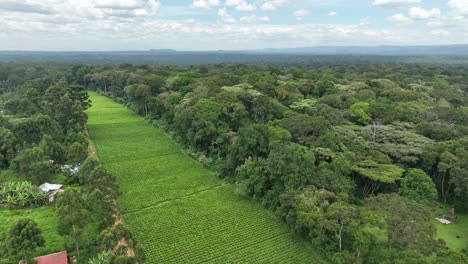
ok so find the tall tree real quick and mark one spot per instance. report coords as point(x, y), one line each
point(7, 146)
point(34, 165)
point(73, 217)
point(25, 238)
point(418, 186)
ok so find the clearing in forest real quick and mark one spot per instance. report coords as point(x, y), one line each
point(177, 208)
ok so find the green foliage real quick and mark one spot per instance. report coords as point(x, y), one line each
point(101, 258)
point(44, 216)
point(360, 111)
point(398, 142)
point(409, 225)
point(385, 173)
point(77, 153)
point(29, 131)
point(24, 238)
point(52, 149)
point(62, 106)
point(140, 94)
point(355, 129)
point(73, 216)
point(21, 194)
point(33, 165)
point(304, 128)
point(7, 146)
point(86, 169)
point(418, 186)
point(363, 131)
point(375, 175)
point(324, 87)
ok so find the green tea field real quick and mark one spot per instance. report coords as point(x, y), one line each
point(177, 208)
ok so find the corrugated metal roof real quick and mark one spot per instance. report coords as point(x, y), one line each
point(46, 187)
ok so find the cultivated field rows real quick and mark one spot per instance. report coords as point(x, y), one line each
point(178, 209)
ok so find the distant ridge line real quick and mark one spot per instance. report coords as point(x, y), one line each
point(453, 49)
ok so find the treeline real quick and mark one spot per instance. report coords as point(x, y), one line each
point(42, 128)
point(93, 206)
point(350, 157)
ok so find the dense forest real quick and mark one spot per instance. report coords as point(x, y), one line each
point(356, 159)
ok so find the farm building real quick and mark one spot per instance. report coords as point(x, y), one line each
point(52, 189)
point(72, 169)
point(55, 258)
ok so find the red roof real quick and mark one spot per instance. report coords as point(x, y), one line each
point(55, 258)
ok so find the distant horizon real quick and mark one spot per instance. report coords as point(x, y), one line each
point(243, 50)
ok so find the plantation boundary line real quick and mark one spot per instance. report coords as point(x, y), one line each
point(91, 148)
point(175, 199)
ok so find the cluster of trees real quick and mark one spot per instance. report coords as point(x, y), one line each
point(42, 125)
point(42, 121)
point(350, 157)
point(96, 199)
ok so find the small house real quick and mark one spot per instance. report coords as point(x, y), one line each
point(55, 258)
point(52, 189)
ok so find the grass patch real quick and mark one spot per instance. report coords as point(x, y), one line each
point(177, 208)
point(8, 175)
point(450, 232)
point(46, 219)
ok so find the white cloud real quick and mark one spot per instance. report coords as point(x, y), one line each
point(233, 2)
point(254, 19)
point(93, 8)
point(25, 7)
point(395, 3)
point(332, 13)
point(21, 32)
point(272, 5)
point(118, 4)
point(243, 6)
point(205, 4)
point(400, 19)
point(225, 16)
point(240, 5)
point(300, 14)
point(459, 7)
point(117, 25)
point(420, 13)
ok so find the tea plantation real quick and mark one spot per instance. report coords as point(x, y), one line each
point(178, 209)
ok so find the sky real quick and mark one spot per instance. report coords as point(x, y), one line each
point(81, 25)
